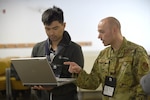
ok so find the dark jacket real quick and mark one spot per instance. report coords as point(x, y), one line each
point(70, 50)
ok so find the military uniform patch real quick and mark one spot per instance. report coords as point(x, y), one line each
point(145, 66)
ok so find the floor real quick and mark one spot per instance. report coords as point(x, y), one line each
point(82, 96)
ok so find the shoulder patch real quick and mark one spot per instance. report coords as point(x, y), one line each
point(145, 66)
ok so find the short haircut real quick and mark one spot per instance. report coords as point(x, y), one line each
point(113, 21)
point(52, 14)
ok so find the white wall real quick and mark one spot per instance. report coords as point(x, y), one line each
point(21, 23)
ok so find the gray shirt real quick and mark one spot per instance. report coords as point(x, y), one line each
point(145, 82)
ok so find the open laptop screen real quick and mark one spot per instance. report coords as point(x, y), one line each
point(35, 71)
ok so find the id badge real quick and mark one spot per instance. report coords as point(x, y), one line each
point(109, 86)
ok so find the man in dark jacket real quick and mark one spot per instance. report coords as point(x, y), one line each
point(58, 48)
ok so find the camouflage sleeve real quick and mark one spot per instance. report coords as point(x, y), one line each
point(89, 81)
point(141, 67)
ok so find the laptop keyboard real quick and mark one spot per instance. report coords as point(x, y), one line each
point(64, 79)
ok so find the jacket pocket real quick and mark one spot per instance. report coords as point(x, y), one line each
point(125, 77)
point(104, 66)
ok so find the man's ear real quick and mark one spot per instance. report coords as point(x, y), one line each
point(64, 24)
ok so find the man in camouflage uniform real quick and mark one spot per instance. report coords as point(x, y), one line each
point(119, 67)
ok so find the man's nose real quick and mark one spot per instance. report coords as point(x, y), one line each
point(51, 32)
point(99, 36)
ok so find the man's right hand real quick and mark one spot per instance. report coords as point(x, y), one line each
point(73, 67)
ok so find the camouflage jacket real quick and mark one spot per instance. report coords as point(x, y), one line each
point(127, 65)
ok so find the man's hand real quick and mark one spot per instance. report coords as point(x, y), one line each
point(42, 88)
point(73, 67)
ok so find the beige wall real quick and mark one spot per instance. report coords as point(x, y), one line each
point(89, 58)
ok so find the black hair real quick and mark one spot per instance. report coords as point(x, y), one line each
point(52, 14)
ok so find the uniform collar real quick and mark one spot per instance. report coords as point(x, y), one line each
point(120, 52)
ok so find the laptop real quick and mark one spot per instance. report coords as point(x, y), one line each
point(37, 71)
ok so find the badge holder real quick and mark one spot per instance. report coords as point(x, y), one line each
point(109, 86)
